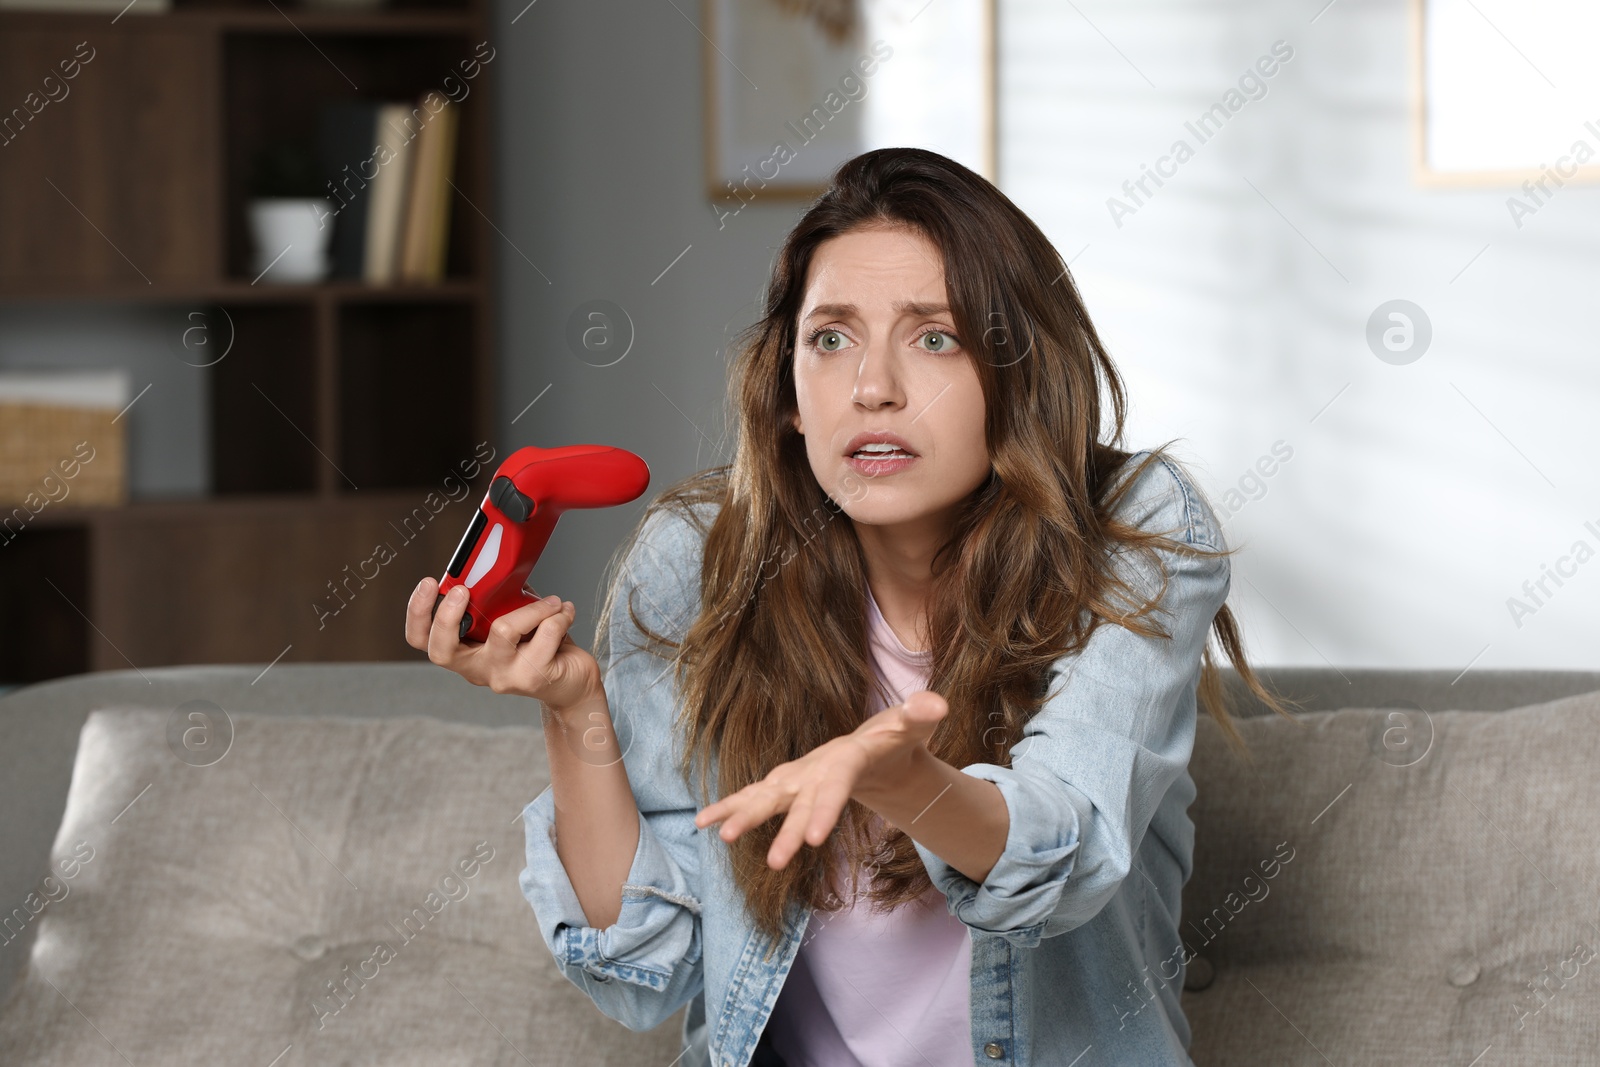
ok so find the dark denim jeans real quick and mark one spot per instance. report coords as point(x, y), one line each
point(765, 1054)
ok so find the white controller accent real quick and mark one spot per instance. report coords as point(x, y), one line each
point(486, 557)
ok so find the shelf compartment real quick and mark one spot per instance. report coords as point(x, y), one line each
point(276, 86)
point(44, 579)
point(264, 409)
point(406, 387)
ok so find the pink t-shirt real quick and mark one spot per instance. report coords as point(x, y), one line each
point(869, 989)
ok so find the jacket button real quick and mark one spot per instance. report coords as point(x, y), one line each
point(993, 1050)
point(1198, 974)
point(309, 947)
point(1464, 973)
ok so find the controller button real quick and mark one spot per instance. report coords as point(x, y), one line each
point(505, 496)
point(466, 624)
point(487, 555)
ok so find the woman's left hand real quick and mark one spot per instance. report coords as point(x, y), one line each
point(815, 788)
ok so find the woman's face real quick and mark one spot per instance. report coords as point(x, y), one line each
point(877, 351)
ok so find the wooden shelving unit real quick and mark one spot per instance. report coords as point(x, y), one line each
point(345, 417)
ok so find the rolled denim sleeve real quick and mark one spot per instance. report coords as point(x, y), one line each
point(1115, 732)
point(648, 964)
point(654, 946)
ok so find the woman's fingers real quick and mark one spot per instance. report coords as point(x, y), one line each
point(419, 613)
point(812, 811)
point(748, 812)
point(444, 638)
point(540, 651)
point(830, 800)
point(716, 812)
point(923, 710)
point(794, 831)
point(507, 633)
point(750, 806)
point(814, 790)
point(900, 726)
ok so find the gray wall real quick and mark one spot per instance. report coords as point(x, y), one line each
point(602, 186)
point(1420, 497)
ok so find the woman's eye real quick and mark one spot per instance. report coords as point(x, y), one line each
point(829, 340)
point(938, 341)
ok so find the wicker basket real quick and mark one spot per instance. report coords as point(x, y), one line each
point(63, 455)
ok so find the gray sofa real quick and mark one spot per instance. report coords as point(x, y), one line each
point(318, 865)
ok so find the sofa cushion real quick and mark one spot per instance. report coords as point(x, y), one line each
point(1394, 886)
point(328, 891)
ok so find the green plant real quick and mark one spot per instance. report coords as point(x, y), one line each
point(287, 168)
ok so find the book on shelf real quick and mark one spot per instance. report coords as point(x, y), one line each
point(422, 253)
point(346, 136)
point(388, 169)
point(395, 143)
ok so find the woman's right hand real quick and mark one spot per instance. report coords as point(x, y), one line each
point(549, 666)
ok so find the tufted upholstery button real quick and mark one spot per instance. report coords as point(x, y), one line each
point(1198, 974)
point(1464, 972)
point(993, 1050)
point(309, 947)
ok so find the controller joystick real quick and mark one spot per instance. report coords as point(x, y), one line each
point(528, 493)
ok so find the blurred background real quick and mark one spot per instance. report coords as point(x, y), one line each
point(280, 285)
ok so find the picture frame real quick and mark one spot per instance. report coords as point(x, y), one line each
point(1498, 93)
point(785, 103)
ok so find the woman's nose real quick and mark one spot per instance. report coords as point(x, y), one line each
point(877, 380)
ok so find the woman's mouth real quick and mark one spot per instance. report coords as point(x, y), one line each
point(877, 462)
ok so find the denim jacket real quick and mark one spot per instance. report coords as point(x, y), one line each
point(1075, 940)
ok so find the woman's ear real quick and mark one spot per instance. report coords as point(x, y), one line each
point(794, 420)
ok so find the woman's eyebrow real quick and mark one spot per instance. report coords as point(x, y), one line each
point(904, 307)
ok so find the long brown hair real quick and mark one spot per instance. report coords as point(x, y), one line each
point(776, 662)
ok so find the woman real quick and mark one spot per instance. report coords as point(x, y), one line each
point(934, 644)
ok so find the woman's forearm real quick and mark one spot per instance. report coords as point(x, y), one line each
point(960, 818)
point(597, 818)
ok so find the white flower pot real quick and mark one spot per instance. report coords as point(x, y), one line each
point(292, 236)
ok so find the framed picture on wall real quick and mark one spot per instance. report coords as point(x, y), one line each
point(793, 88)
point(1505, 92)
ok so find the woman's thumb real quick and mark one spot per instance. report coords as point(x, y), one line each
point(927, 706)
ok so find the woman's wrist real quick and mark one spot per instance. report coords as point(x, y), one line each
point(579, 710)
point(583, 729)
point(895, 779)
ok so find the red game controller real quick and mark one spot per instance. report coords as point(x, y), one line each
point(529, 492)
